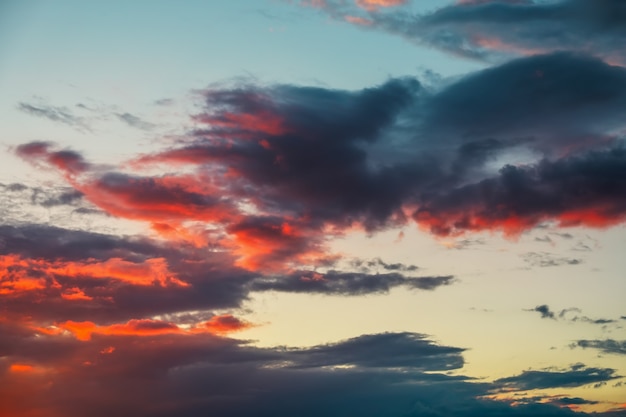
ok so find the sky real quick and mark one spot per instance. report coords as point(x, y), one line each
point(312, 208)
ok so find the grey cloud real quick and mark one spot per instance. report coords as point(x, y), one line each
point(386, 350)
point(55, 114)
point(609, 346)
point(134, 121)
point(545, 311)
point(544, 259)
point(482, 29)
point(575, 376)
point(373, 264)
point(347, 283)
point(391, 374)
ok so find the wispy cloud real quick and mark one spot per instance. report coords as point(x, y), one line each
point(55, 114)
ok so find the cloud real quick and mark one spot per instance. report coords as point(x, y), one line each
point(480, 29)
point(146, 327)
point(55, 114)
point(323, 161)
point(576, 191)
point(54, 275)
point(134, 121)
point(167, 374)
point(609, 346)
point(377, 262)
point(250, 198)
point(387, 350)
point(375, 4)
point(375, 158)
point(64, 197)
point(576, 376)
point(544, 259)
point(545, 311)
point(67, 161)
point(316, 159)
point(347, 283)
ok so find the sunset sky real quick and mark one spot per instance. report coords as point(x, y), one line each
point(314, 208)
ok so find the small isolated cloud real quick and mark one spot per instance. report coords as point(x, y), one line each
point(545, 312)
point(164, 102)
point(134, 121)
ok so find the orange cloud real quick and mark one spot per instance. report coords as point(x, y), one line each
point(375, 4)
point(147, 327)
point(21, 368)
point(225, 323)
point(268, 245)
point(75, 294)
point(17, 274)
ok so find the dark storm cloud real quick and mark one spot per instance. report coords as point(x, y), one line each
point(609, 346)
point(482, 29)
point(347, 283)
point(575, 376)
